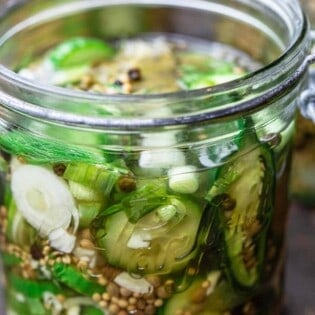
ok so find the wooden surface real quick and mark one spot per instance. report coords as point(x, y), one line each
point(300, 287)
point(300, 275)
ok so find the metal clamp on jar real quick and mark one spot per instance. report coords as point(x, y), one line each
point(303, 169)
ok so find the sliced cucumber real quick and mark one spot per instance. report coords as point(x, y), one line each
point(155, 243)
point(77, 51)
point(242, 198)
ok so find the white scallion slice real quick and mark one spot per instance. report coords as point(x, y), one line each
point(161, 158)
point(44, 199)
point(135, 285)
point(61, 240)
point(15, 163)
point(83, 192)
point(139, 239)
point(51, 302)
point(183, 179)
point(86, 254)
point(213, 278)
point(78, 301)
point(159, 140)
point(166, 213)
point(74, 310)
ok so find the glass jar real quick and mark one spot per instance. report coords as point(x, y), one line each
point(162, 204)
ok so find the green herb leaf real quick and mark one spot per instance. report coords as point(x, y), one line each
point(99, 177)
point(142, 201)
point(74, 279)
point(32, 288)
point(38, 150)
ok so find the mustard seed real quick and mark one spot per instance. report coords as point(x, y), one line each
point(158, 303)
point(125, 292)
point(113, 308)
point(132, 300)
point(96, 297)
point(103, 304)
point(122, 303)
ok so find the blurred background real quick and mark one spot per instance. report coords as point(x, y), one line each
point(300, 276)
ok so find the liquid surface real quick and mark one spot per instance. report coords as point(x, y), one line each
point(149, 65)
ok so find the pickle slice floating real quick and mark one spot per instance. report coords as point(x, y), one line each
point(242, 198)
point(157, 243)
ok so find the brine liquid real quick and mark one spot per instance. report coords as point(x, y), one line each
point(167, 231)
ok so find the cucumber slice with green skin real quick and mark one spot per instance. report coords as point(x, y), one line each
point(77, 51)
point(242, 199)
point(156, 244)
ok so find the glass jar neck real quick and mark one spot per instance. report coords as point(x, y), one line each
point(275, 34)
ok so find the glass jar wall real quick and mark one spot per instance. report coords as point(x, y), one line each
point(172, 203)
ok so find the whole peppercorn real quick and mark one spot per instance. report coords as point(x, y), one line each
point(127, 184)
point(134, 74)
point(59, 169)
point(225, 202)
point(36, 251)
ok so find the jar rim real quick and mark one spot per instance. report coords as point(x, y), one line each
point(255, 102)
